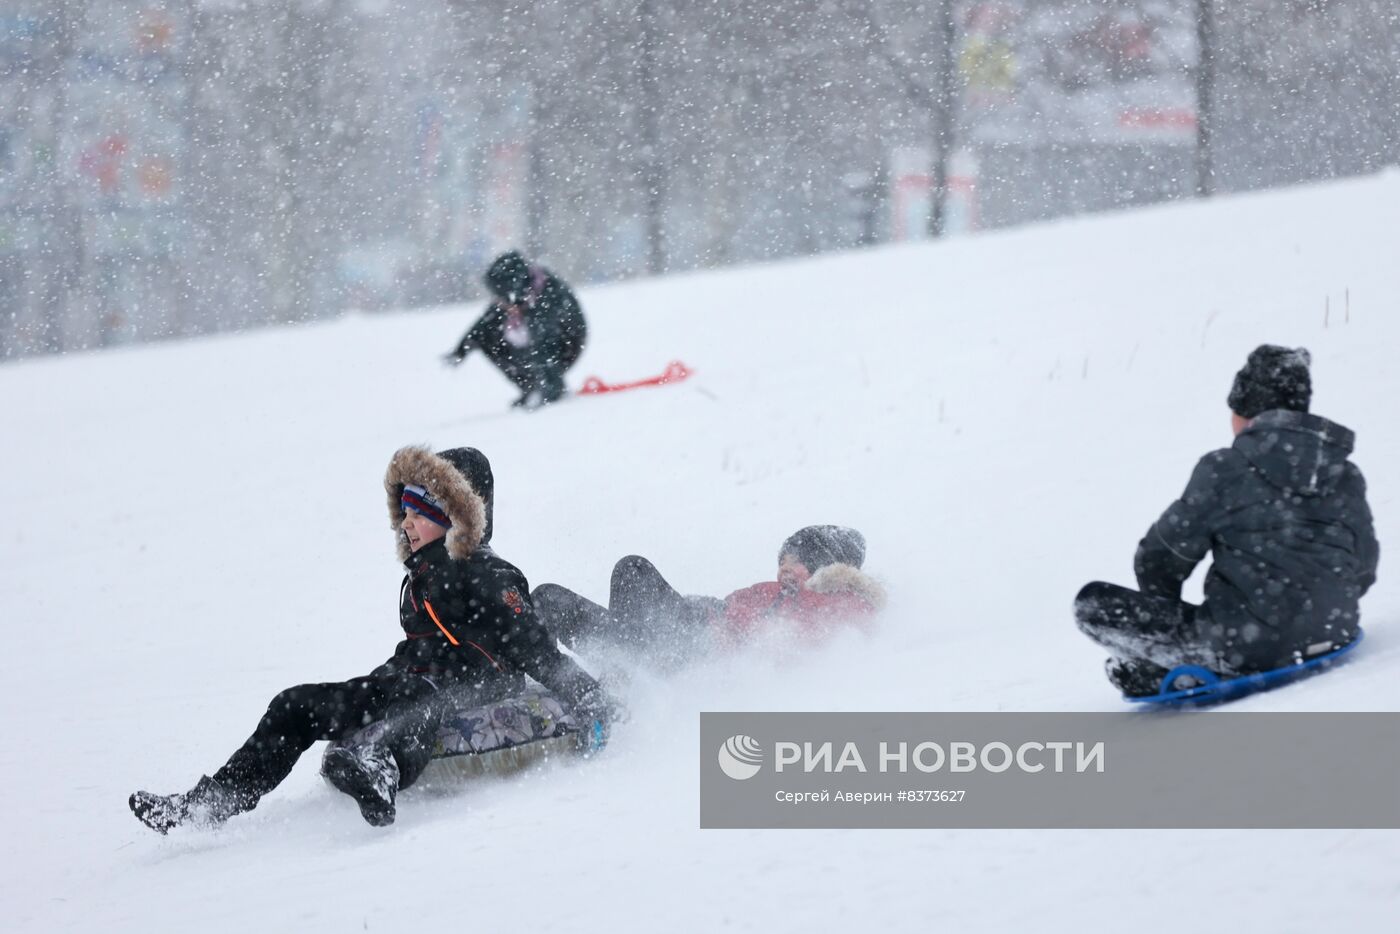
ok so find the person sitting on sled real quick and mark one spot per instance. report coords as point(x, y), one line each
point(533, 330)
point(1283, 514)
point(819, 587)
point(467, 624)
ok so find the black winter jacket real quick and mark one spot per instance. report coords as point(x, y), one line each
point(552, 315)
point(471, 621)
point(466, 613)
point(1284, 515)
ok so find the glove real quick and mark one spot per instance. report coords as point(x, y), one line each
point(599, 710)
point(598, 735)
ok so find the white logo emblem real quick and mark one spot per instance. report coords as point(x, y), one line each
point(741, 757)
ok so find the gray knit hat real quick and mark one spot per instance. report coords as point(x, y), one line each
point(816, 546)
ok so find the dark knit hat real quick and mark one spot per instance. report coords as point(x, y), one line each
point(509, 277)
point(1273, 378)
point(419, 500)
point(816, 546)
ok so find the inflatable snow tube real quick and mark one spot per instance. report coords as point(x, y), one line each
point(507, 736)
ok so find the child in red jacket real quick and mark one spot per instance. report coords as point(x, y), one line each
point(820, 586)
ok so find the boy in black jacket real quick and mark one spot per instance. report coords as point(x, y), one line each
point(533, 331)
point(468, 623)
point(1283, 514)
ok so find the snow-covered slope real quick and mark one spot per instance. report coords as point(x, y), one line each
point(195, 526)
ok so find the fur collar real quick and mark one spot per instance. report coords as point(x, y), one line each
point(421, 467)
point(838, 578)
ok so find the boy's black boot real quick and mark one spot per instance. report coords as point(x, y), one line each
point(367, 774)
point(208, 804)
point(1135, 677)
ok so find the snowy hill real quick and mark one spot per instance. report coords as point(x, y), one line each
point(196, 526)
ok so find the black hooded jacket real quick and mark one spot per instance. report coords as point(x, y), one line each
point(466, 612)
point(1284, 515)
point(552, 314)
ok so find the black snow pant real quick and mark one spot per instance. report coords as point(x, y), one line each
point(302, 715)
point(535, 369)
point(1156, 633)
point(409, 731)
point(645, 614)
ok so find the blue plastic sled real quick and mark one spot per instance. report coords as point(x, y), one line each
point(1214, 689)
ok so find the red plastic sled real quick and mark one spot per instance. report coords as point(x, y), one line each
point(674, 373)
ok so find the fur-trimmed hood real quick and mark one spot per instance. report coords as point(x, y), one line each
point(843, 578)
point(460, 479)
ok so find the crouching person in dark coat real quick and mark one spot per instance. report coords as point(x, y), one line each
point(1283, 514)
point(533, 330)
point(468, 624)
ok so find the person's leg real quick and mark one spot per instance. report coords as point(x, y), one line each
point(376, 762)
point(296, 718)
point(1133, 624)
point(302, 715)
point(514, 366)
point(551, 384)
point(653, 615)
point(573, 349)
point(638, 595)
point(555, 365)
point(379, 761)
point(1146, 635)
point(547, 369)
point(411, 730)
point(568, 616)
